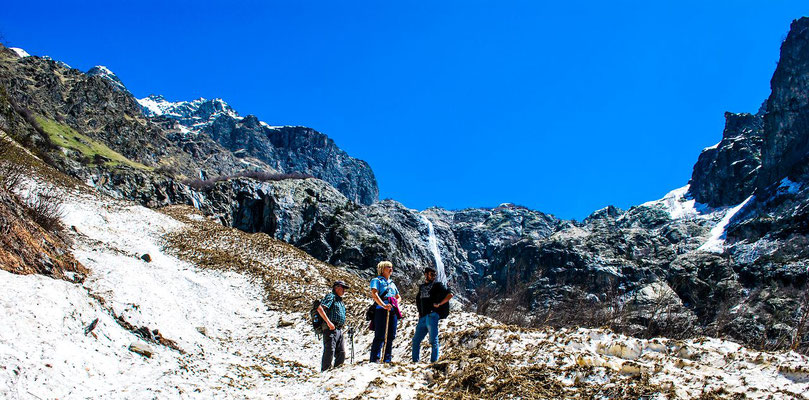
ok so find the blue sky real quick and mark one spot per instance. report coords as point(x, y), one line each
point(564, 108)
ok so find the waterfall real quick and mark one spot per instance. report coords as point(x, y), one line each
point(441, 276)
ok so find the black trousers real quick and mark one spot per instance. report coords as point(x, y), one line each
point(333, 348)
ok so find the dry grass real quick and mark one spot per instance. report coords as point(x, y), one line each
point(46, 210)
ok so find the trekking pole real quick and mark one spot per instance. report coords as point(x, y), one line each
point(385, 343)
point(351, 337)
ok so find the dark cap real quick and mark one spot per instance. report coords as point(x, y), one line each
point(340, 283)
point(428, 269)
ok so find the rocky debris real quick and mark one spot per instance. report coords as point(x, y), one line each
point(141, 349)
point(505, 362)
point(146, 334)
point(90, 327)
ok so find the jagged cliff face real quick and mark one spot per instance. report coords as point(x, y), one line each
point(786, 123)
point(727, 173)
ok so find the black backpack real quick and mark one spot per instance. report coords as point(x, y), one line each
point(317, 321)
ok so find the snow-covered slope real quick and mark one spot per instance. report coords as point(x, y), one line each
point(20, 52)
point(218, 313)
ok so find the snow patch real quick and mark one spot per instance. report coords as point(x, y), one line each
point(103, 70)
point(711, 147)
point(677, 204)
point(20, 52)
point(156, 105)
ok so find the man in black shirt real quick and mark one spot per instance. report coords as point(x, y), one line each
point(432, 302)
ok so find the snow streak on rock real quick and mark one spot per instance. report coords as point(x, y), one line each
point(717, 240)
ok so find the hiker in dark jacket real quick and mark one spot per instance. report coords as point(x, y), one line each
point(333, 312)
point(387, 314)
point(432, 302)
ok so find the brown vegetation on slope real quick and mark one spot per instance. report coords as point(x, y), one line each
point(32, 236)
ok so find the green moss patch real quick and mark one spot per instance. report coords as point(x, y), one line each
point(65, 136)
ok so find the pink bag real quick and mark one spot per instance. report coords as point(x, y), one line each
point(395, 305)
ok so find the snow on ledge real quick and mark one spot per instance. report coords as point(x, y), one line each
point(712, 147)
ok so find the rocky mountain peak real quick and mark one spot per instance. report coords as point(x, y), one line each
point(189, 113)
point(252, 122)
point(608, 212)
point(104, 72)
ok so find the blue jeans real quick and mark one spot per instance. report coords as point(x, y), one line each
point(379, 333)
point(427, 324)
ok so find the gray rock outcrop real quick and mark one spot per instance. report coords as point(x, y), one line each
point(726, 174)
point(786, 123)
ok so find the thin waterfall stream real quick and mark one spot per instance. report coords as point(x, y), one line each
point(441, 276)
